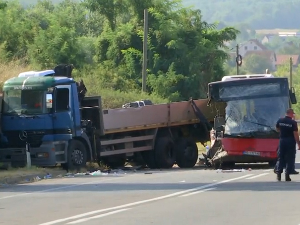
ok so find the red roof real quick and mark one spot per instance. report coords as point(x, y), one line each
point(283, 59)
point(265, 53)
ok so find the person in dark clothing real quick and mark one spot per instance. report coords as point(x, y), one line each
point(294, 159)
point(288, 138)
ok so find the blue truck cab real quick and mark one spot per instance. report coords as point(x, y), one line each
point(43, 109)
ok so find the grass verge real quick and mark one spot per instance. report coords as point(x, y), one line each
point(201, 148)
point(25, 175)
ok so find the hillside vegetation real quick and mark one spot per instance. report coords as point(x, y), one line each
point(103, 39)
point(259, 14)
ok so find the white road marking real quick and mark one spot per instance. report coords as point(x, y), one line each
point(99, 216)
point(143, 201)
point(259, 175)
point(197, 192)
point(58, 188)
point(268, 170)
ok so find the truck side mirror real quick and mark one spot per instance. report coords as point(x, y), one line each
point(293, 96)
point(49, 101)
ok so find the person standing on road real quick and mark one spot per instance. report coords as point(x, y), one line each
point(288, 138)
point(294, 171)
point(294, 159)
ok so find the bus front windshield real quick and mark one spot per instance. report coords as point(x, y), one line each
point(254, 115)
point(26, 102)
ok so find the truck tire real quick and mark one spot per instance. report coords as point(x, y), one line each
point(77, 156)
point(186, 153)
point(165, 152)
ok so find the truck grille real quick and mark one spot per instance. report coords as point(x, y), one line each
point(34, 138)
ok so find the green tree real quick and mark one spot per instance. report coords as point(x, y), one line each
point(180, 44)
point(104, 40)
point(284, 71)
point(257, 64)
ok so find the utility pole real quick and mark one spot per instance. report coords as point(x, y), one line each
point(145, 48)
point(238, 59)
point(291, 73)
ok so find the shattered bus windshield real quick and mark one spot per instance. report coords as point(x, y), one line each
point(244, 91)
point(254, 115)
point(24, 102)
point(253, 105)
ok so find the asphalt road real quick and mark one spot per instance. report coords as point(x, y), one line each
point(162, 197)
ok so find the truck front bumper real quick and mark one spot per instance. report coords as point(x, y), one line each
point(41, 156)
point(14, 156)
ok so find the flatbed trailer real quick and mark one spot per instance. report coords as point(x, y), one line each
point(161, 135)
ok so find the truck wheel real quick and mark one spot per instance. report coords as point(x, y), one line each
point(77, 156)
point(187, 153)
point(165, 152)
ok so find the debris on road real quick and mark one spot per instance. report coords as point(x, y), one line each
point(230, 171)
point(96, 173)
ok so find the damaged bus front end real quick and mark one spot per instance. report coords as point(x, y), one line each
point(247, 133)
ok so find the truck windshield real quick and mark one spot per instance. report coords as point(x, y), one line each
point(24, 102)
point(254, 115)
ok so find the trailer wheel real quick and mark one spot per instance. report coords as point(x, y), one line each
point(165, 152)
point(77, 156)
point(187, 153)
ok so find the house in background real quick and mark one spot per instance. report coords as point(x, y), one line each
point(285, 59)
point(254, 46)
point(267, 38)
point(268, 54)
point(251, 45)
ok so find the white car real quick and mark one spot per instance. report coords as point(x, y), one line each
point(137, 104)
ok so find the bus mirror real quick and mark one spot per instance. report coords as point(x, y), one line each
point(219, 123)
point(293, 96)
